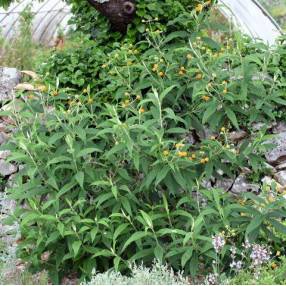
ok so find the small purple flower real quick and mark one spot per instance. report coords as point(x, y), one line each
point(218, 242)
point(247, 244)
point(211, 279)
point(233, 252)
point(236, 265)
point(259, 255)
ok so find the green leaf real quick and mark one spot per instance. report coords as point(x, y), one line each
point(80, 178)
point(76, 246)
point(209, 112)
point(54, 138)
point(159, 253)
point(116, 262)
point(61, 228)
point(66, 188)
point(254, 224)
point(186, 257)
point(58, 160)
point(147, 219)
point(93, 233)
point(29, 218)
point(166, 91)
point(176, 130)
point(162, 174)
point(135, 237)
point(87, 151)
point(114, 191)
point(119, 230)
point(232, 117)
point(278, 226)
point(136, 160)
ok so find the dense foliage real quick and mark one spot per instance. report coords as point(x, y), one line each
point(167, 16)
point(118, 175)
point(123, 147)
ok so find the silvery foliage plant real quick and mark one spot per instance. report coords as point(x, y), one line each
point(158, 274)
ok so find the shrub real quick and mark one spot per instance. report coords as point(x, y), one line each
point(116, 176)
point(115, 170)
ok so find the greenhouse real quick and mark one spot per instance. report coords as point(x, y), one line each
point(142, 142)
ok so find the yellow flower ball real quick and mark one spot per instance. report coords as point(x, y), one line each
point(206, 98)
point(179, 145)
point(155, 67)
point(199, 76)
point(182, 154)
point(90, 100)
point(199, 8)
point(166, 152)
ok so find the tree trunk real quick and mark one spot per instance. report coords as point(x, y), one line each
point(119, 12)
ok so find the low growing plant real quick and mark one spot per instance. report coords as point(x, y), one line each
point(272, 274)
point(157, 274)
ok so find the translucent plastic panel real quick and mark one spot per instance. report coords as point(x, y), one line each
point(252, 18)
point(49, 17)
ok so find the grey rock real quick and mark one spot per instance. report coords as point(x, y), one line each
point(9, 78)
point(281, 166)
point(3, 137)
point(11, 181)
point(224, 184)
point(237, 135)
point(3, 127)
point(208, 133)
point(7, 206)
point(279, 128)
point(245, 170)
point(241, 185)
point(258, 126)
point(4, 154)
point(220, 172)
point(206, 184)
point(190, 139)
point(7, 169)
point(278, 153)
point(280, 177)
point(8, 233)
point(267, 180)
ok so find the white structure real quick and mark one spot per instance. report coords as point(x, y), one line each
point(251, 18)
point(52, 15)
point(49, 17)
